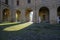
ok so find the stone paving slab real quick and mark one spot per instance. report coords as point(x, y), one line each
point(33, 32)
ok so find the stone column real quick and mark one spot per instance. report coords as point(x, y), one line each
point(9, 18)
point(13, 15)
point(53, 16)
point(22, 15)
point(35, 16)
point(1, 15)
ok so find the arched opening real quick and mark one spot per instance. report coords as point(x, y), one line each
point(6, 15)
point(58, 15)
point(6, 2)
point(18, 16)
point(29, 15)
point(43, 14)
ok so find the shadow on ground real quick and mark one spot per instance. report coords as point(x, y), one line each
point(33, 32)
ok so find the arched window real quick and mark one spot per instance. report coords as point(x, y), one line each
point(6, 1)
point(17, 2)
point(29, 1)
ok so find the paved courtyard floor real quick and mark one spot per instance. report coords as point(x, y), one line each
point(29, 31)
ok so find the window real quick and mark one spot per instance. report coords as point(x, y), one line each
point(17, 2)
point(6, 1)
point(29, 1)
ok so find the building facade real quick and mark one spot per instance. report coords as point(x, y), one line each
point(19, 10)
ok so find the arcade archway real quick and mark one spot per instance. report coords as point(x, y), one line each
point(58, 15)
point(44, 14)
point(29, 15)
point(6, 15)
point(18, 16)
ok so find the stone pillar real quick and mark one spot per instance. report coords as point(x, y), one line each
point(53, 16)
point(13, 15)
point(0, 15)
point(22, 15)
point(35, 16)
point(9, 18)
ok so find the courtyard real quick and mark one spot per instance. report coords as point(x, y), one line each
point(29, 31)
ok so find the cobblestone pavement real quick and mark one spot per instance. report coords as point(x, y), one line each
point(33, 32)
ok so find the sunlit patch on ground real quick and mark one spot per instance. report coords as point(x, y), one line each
point(30, 31)
point(8, 23)
point(17, 27)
